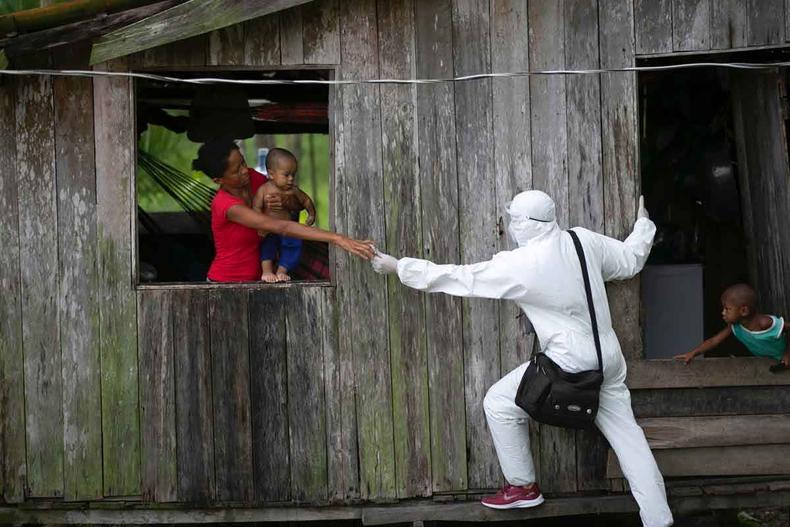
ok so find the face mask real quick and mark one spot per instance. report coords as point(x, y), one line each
point(521, 229)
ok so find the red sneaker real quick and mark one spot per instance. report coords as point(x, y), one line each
point(512, 497)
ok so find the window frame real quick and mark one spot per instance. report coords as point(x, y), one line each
point(137, 285)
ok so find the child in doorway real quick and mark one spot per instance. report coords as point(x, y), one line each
point(281, 167)
point(763, 335)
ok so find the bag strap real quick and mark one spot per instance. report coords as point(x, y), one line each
point(588, 290)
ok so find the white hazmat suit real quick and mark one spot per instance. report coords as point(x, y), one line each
point(543, 276)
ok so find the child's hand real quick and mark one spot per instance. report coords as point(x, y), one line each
point(686, 357)
point(310, 220)
point(786, 360)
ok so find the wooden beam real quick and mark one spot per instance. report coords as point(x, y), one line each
point(729, 371)
point(78, 31)
point(3, 60)
point(721, 400)
point(471, 511)
point(776, 495)
point(685, 432)
point(120, 515)
point(189, 19)
point(716, 461)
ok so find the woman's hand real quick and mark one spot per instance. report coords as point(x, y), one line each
point(362, 248)
point(273, 202)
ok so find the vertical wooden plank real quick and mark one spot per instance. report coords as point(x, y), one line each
point(728, 24)
point(548, 103)
point(585, 183)
point(194, 411)
point(592, 450)
point(620, 158)
point(691, 25)
point(477, 226)
point(13, 462)
point(114, 132)
point(77, 298)
point(39, 264)
point(512, 154)
point(157, 395)
point(306, 422)
point(585, 180)
point(343, 454)
point(321, 32)
point(262, 41)
point(443, 324)
point(226, 46)
point(291, 50)
point(269, 393)
point(230, 366)
point(653, 20)
point(342, 442)
point(404, 236)
point(766, 22)
point(362, 174)
point(342, 465)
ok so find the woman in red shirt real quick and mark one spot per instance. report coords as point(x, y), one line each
point(235, 224)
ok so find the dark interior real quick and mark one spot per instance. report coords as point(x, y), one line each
point(690, 182)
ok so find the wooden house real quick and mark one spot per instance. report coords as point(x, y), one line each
point(356, 398)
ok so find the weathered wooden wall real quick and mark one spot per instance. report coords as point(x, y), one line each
point(362, 390)
point(671, 26)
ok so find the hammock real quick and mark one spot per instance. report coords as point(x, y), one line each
point(192, 196)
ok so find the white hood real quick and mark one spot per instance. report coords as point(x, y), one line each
point(532, 215)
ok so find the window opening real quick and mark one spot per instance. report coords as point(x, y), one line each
point(173, 201)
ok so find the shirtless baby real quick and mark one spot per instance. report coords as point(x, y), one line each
point(281, 166)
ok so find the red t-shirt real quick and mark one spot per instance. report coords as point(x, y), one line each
point(236, 254)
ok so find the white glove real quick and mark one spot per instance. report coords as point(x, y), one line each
point(642, 211)
point(384, 263)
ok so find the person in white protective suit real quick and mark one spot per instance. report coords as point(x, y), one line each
point(543, 276)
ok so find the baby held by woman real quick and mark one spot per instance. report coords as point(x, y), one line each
point(281, 166)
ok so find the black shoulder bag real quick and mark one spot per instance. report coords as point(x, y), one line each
point(553, 396)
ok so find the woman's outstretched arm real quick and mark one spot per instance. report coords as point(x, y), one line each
point(244, 215)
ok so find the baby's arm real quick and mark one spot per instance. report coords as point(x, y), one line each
point(786, 357)
point(707, 345)
point(307, 203)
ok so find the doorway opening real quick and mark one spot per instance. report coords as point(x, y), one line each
point(713, 150)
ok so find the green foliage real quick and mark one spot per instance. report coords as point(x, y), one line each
point(312, 153)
